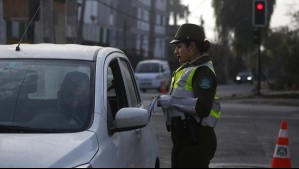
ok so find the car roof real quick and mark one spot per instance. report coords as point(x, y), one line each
point(49, 51)
point(152, 61)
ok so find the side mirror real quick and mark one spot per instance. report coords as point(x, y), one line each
point(128, 119)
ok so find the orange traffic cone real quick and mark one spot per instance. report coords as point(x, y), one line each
point(281, 157)
point(164, 87)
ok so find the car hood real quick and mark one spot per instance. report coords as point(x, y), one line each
point(47, 150)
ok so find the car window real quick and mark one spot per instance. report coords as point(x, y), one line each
point(162, 68)
point(245, 74)
point(148, 68)
point(129, 79)
point(116, 91)
point(46, 95)
point(110, 83)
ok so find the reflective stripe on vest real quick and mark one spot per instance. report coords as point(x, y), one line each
point(182, 88)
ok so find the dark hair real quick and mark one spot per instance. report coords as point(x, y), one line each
point(203, 46)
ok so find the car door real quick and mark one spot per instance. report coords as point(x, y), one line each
point(122, 93)
point(145, 149)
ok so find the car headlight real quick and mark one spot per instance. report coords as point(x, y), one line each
point(84, 166)
point(238, 78)
point(249, 78)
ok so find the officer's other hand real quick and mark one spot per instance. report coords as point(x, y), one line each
point(164, 101)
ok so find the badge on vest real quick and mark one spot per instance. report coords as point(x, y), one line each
point(205, 83)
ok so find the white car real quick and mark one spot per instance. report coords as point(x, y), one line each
point(153, 74)
point(72, 106)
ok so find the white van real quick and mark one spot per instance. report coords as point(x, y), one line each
point(153, 74)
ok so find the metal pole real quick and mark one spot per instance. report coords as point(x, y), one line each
point(259, 63)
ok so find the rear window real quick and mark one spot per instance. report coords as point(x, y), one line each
point(45, 95)
point(148, 68)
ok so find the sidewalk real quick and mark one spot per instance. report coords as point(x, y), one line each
point(282, 98)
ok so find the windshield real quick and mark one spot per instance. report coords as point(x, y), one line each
point(45, 95)
point(148, 68)
point(245, 74)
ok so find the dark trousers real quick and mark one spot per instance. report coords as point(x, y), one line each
point(194, 146)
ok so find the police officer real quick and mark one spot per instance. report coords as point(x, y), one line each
point(192, 108)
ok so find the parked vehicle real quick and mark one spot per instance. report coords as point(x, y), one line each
point(65, 106)
point(153, 74)
point(244, 77)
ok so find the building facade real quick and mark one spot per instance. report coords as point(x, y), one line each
point(137, 26)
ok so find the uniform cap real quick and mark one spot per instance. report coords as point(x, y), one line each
point(190, 32)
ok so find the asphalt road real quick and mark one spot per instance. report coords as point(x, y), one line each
point(247, 132)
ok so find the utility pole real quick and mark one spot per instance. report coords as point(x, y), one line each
point(2, 25)
point(152, 38)
point(81, 22)
point(47, 21)
point(71, 21)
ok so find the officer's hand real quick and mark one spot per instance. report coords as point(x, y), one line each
point(164, 101)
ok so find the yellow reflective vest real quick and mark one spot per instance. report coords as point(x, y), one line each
point(183, 99)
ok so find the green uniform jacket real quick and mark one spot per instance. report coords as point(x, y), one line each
point(195, 145)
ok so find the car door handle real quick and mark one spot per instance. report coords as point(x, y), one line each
point(138, 132)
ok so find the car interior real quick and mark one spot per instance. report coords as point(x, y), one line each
point(18, 106)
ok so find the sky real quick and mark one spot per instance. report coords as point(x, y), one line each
point(204, 8)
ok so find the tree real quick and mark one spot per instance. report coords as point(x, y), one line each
point(234, 24)
point(295, 17)
point(282, 48)
point(177, 9)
